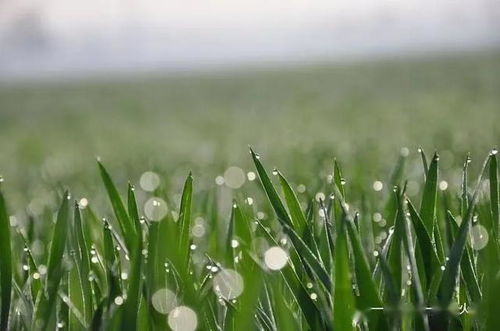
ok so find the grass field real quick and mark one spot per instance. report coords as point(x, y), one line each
point(386, 237)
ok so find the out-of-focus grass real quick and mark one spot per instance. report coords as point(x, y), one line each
point(360, 113)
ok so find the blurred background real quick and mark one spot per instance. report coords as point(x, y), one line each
point(179, 85)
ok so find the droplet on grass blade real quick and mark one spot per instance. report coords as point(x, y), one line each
point(155, 209)
point(228, 284)
point(275, 258)
point(478, 237)
point(182, 318)
point(149, 181)
point(164, 301)
point(320, 196)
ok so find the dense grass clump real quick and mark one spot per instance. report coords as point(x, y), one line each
point(339, 258)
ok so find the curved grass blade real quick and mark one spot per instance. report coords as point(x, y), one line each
point(5, 265)
point(273, 196)
point(428, 206)
point(296, 214)
point(368, 294)
point(126, 225)
point(424, 161)
point(302, 249)
point(185, 220)
point(343, 297)
point(450, 274)
point(410, 252)
point(130, 309)
point(493, 176)
point(55, 268)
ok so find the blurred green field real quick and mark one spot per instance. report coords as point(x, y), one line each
point(360, 113)
point(385, 237)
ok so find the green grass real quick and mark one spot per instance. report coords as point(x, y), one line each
point(376, 236)
point(104, 274)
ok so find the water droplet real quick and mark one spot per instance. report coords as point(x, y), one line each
point(249, 201)
point(404, 152)
point(275, 258)
point(60, 325)
point(118, 301)
point(320, 196)
point(377, 185)
point(149, 181)
point(494, 151)
point(155, 209)
point(228, 284)
point(83, 203)
point(478, 237)
point(443, 267)
point(309, 285)
point(25, 267)
point(301, 188)
point(124, 276)
point(219, 180)
point(443, 185)
point(164, 301)
point(1, 179)
point(42, 269)
point(251, 176)
point(192, 247)
point(198, 230)
point(375, 253)
point(314, 296)
point(275, 172)
point(234, 243)
point(343, 181)
point(213, 268)
point(36, 275)
point(234, 177)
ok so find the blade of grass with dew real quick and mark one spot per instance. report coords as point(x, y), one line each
point(410, 252)
point(283, 217)
point(343, 297)
point(80, 292)
point(424, 244)
point(366, 231)
point(368, 294)
point(494, 203)
point(130, 308)
point(5, 264)
point(450, 273)
point(55, 270)
point(308, 307)
point(185, 221)
point(296, 214)
point(126, 224)
point(428, 206)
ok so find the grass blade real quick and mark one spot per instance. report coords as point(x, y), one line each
point(5, 265)
point(428, 207)
point(126, 225)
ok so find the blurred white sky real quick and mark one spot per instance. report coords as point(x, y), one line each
point(50, 36)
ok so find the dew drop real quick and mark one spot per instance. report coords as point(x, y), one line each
point(275, 258)
point(149, 181)
point(228, 284)
point(155, 209)
point(164, 301)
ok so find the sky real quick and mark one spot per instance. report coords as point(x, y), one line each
point(57, 36)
